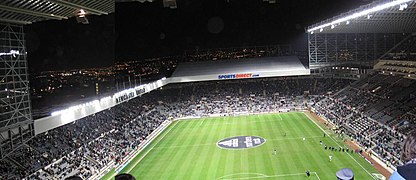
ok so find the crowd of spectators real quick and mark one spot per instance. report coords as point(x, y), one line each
point(372, 135)
point(376, 111)
point(86, 146)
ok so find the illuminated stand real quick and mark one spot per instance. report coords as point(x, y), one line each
point(359, 50)
point(358, 38)
point(16, 124)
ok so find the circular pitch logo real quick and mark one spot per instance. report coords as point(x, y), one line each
point(241, 142)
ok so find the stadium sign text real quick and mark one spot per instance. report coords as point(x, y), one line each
point(124, 97)
point(238, 76)
point(241, 142)
point(140, 91)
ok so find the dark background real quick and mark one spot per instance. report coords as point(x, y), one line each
point(65, 44)
point(137, 31)
point(143, 30)
point(147, 29)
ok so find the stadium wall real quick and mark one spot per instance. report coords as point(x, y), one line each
point(261, 67)
point(71, 114)
point(241, 75)
point(189, 72)
point(65, 116)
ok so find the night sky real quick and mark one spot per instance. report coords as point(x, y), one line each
point(148, 29)
point(65, 44)
point(143, 30)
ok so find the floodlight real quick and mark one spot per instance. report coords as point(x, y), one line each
point(55, 113)
point(403, 6)
point(12, 52)
point(321, 30)
point(82, 13)
point(82, 18)
point(362, 13)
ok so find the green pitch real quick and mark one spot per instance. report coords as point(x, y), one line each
point(188, 149)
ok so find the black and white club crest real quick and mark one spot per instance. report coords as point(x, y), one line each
point(241, 142)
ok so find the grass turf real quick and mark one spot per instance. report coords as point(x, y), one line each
point(187, 150)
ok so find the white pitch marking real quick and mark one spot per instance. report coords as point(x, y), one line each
point(194, 145)
point(249, 121)
point(137, 162)
point(317, 175)
point(261, 176)
point(202, 121)
point(280, 117)
point(258, 174)
point(339, 146)
point(281, 139)
point(208, 144)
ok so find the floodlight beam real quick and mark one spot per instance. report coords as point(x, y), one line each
point(361, 14)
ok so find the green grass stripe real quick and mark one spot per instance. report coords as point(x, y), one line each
point(189, 150)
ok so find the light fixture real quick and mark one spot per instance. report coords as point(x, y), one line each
point(81, 13)
point(81, 17)
point(321, 30)
point(361, 13)
point(348, 22)
point(12, 52)
point(332, 26)
point(403, 6)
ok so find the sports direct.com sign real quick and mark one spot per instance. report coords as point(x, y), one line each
point(238, 76)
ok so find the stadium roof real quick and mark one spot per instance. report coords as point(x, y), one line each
point(28, 11)
point(142, 1)
point(380, 16)
point(257, 67)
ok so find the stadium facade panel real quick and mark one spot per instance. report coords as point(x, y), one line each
point(239, 69)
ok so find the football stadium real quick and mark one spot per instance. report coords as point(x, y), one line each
point(343, 109)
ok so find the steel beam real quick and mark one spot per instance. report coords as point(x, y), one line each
point(78, 6)
point(15, 118)
point(32, 13)
point(15, 21)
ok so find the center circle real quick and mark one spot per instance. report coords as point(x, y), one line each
point(241, 142)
